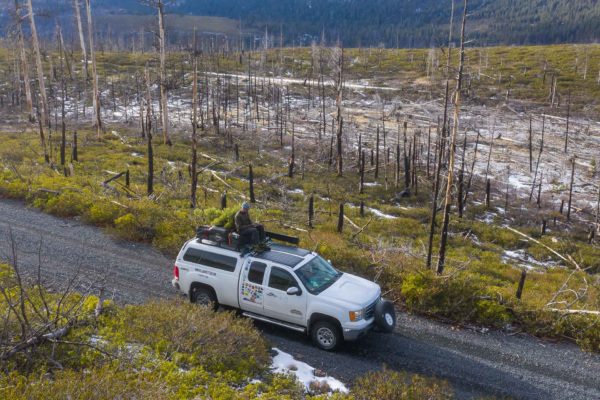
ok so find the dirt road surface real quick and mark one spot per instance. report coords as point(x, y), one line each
point(476, 364)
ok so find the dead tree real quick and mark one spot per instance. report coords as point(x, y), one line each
point(530, 144)
point(340, 224)
point(96, 90)
point(193, 167)
point(440, 152)
point(251, 183)
point(35, 321)
point(457, 104)
point(292, 160)
point(472, 172)
point(40, 68)
point(361, 185)
point(77, 13)
point(568, 120)
point(63, 141)
point(537, 166)
point(571, 188)
point(160, 8)
point(24, 63)
point(377, 155)
point(521, 284)
point(74, 155)
point(311, 210)
point(150, 181)
point(461, 178)
point(338, 59)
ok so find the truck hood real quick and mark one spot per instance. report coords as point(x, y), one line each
point(353, 291)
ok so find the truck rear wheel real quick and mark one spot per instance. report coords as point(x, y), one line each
point(204, 296)
point(326, 335)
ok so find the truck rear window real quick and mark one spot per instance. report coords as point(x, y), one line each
point(208, 259)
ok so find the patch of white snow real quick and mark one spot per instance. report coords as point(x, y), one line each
point(284, 363)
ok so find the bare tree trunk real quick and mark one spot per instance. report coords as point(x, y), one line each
point(568, 120)
point(377, 155)
point(311, 210)
point(38, 63)
point(163, 73)
point(81, 35)
point(251, 183)
point(441, 140)
point(461, 178)
point(96, 92)
point(150, 181)
point(340, 225)
point(24, 65)
point(194, 174)
point(340, 119)
point(537, 166)
point(63, 141)
point(571, 188)
point(457, 103)
point(530, 145)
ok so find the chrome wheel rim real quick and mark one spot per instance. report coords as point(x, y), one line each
point(203, 299)
point(325, 337)
point(389, 319)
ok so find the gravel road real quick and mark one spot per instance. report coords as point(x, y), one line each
point(476, 364)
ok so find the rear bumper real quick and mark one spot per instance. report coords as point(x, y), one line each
point(351, 334)
point(175, 284)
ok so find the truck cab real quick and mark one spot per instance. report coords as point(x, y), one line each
point(286, 286)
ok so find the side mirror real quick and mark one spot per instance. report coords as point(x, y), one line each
point(294, 291)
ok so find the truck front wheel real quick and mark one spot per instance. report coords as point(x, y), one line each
point(326, 335)
point(385, 316)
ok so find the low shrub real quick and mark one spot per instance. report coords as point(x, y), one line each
point(393, 385)
point(190, 335)
point(103, 212)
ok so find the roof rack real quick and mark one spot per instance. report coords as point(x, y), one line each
point(224, 237)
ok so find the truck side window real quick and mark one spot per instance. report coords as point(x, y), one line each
point(257, 272)
point(208, 259)
point(281, 280)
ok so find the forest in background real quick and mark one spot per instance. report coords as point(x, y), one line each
point(356, 23)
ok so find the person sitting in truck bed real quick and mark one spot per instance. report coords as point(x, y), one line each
point(250, 233)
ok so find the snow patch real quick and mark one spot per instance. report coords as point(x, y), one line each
point(284, 363)
point(295, 191)
point(526, 260)
point(380, 213)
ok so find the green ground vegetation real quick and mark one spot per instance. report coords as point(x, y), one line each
point(478, 285)
point(158, 350)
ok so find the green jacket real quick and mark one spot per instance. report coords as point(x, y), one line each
point(242, 220)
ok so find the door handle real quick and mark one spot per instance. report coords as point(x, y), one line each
point(271, 294)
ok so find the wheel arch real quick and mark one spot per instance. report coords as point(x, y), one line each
point(197, 285)
point(315, 317)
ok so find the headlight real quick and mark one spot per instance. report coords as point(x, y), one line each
point(357, 315)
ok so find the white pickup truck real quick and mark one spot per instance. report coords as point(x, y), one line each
point(286, 286)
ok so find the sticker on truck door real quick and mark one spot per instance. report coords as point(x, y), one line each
point(252, 293)
point(252, 288)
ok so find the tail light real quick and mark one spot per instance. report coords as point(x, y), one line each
point(176, 272)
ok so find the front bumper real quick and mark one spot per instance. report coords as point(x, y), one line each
point(351, 334)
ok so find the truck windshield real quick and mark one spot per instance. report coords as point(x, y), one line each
point(317, 275)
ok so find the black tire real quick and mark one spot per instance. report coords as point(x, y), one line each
point(385, 316)
point(326, 335)
point(204, 296)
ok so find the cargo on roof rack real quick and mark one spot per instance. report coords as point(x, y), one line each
point(229, 238)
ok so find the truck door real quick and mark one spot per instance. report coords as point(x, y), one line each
point(251, 289)
point(280, 305)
